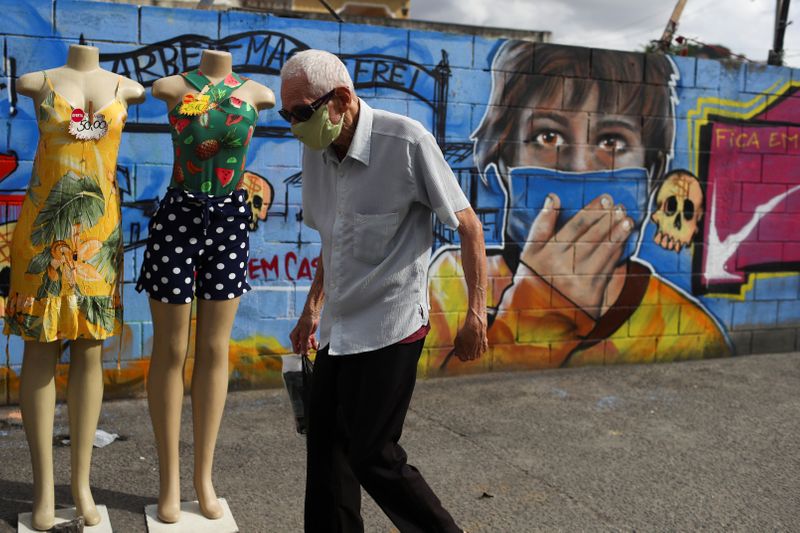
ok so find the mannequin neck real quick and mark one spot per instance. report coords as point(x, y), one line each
point(83, 58)
point(215, 64)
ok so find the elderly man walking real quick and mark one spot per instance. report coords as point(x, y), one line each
point(371, 181)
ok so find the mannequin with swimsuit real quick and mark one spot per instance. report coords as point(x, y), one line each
point(81, 81)
point(171, 321)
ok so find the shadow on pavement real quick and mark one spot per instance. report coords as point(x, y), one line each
point(17, 497)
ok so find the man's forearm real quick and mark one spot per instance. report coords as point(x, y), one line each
point(473, 260)
point(316, 294)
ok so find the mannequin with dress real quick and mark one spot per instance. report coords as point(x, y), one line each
point(66, 262)
point(198, 250)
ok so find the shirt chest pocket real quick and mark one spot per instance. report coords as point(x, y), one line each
point(372, 234)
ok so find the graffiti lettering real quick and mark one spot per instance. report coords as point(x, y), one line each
point(737, 140)
point(384, 73)
point(265, 52)
point(783, 140)
point(756, 138)
point(254, 266)
point(260, 51)
point(294, 268)
point(272, 48)
point(303, 272)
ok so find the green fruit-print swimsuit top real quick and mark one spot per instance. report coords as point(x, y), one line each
point(211, 131)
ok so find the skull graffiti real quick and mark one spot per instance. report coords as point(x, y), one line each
point(259, 196)
point(680, 208)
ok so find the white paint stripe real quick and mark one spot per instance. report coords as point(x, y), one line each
point(719, 252)
point(281, 288)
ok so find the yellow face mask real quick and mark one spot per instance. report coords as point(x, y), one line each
point(318, 132)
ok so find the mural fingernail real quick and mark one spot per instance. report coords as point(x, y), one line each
point(605, 201)
point(548, 203)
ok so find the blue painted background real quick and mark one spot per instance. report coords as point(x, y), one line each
point(36, 34)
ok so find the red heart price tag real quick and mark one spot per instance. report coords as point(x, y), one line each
point(77, 115)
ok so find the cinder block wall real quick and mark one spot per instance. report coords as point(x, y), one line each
point(516, 121)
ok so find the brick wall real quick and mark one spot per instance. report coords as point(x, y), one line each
point(651, 132)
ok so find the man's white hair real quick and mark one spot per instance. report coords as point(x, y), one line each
point(323, 70)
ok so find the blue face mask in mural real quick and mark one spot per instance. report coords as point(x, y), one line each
point(531, 185)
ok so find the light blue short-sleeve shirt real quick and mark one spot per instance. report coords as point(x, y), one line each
point(373, 211)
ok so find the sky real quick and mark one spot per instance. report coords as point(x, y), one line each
point(744, 26)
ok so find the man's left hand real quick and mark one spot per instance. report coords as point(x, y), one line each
point(470, 342)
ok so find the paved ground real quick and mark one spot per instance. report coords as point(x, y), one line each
point(710, 445)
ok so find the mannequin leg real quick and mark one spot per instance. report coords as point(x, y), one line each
point(84, 399)
point(209, 389)
point(171, 324)
point(37, 401)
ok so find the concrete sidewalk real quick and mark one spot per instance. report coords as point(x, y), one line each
point(707, 445)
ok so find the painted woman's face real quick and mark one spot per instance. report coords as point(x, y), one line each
point(578, 141)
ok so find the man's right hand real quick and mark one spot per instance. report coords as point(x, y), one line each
point(303, 335)
point(578, 260)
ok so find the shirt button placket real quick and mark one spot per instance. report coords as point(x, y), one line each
point(341, 192)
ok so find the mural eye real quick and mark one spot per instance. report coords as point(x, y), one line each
point(671, 206)
point(257, 203)
point(688, 210)
point(548, 138)
point(612, 143)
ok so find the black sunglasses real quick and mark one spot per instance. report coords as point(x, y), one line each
point(301, 113)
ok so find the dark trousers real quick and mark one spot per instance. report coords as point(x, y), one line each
point(357, 409)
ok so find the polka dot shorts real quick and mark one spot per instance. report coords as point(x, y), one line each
point(197, 243)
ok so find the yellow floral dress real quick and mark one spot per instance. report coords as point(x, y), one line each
point(66, 251)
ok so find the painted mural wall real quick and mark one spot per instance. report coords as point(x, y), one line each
point(636, 208)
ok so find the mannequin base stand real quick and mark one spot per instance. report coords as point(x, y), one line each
point(65, 515)
point(192, 521)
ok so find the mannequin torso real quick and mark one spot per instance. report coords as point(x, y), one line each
point(81, 81)
point(213, 113)
point(216, 66)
